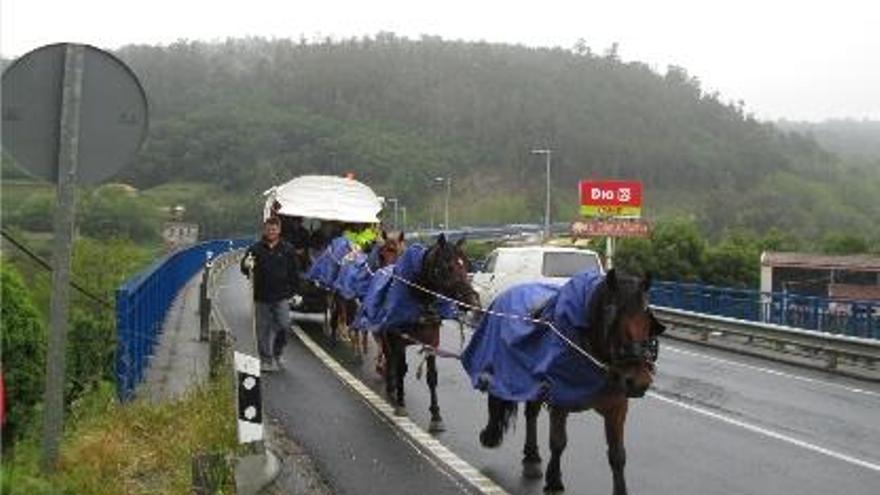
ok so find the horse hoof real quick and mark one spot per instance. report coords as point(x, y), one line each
point(532, 470)
point(436, 426)
point(489, 441)
point(554, 489)
point(400, 411)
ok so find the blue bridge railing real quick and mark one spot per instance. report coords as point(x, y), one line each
point(837, 316)
point(141, 304)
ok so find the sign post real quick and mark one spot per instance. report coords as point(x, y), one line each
point(615, 208)
point(68, 155)
point(71, 113)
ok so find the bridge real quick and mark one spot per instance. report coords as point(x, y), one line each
point(725, 415)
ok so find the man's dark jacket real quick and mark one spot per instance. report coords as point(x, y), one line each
point(275, 271)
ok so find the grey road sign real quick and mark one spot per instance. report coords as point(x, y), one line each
point(113, 115)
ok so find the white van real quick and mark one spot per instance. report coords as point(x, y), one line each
point(508, 266)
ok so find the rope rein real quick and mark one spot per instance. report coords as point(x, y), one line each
point(485, 311)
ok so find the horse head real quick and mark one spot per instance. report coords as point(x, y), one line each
point(445, 270)
point(628, 330)
point(391, 247)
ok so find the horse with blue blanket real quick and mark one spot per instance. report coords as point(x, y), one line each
point(590, 344)
point(402, 305)
point(352, 282)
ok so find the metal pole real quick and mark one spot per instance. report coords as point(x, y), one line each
point(547, 205)
point(68, 152)
point(403, 211)
point(609, 253)
point(446, 213)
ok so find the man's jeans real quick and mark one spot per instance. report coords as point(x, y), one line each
point(273, 320)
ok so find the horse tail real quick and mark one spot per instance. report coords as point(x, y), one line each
point(502, 415)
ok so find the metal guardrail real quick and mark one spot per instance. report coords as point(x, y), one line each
point(143, 300)
point(833, 316)
point(831, 346)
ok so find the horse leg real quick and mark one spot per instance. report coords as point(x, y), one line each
point(436, 425)
point(353, 336)
point(615, 419)
point(334, 317)
point(531, 456)
point(400, 352)
point(381, 354)
point(558, 441)
point(388, 368)
point(500, 413)
point(396, 363)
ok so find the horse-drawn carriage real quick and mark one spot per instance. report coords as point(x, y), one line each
point(324, 204)
point(589, 344)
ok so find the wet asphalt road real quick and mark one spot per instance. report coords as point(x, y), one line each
point(717, 423)
point(355, 450)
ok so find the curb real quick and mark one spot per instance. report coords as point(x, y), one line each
point(420, 440)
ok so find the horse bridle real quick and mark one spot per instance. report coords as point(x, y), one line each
point(633, 352)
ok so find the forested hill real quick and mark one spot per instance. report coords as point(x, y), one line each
point(855, 138)
point(253, 112)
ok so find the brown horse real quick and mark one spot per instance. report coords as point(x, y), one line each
point(627, 345)
point(342, 311)
point(443, 271)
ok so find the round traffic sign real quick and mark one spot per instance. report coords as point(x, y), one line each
point(113, 113)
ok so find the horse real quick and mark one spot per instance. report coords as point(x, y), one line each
point(614, 325)
point(439, 269)
point(342, 309)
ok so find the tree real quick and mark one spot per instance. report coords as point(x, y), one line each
point(842, 243)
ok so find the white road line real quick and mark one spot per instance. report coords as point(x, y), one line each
point(768, 433)
point(414, 433)
point(770, 371)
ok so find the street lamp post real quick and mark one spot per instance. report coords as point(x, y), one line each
point(448, 181)
point(547, 153)
point(395, 210)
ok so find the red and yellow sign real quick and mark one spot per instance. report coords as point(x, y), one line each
point(611, 198)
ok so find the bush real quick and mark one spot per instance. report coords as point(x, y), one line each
point(24, 359)
point(109, 213)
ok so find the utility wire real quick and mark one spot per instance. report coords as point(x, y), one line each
point(46, 266)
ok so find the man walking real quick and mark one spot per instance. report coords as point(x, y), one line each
point(271, 264)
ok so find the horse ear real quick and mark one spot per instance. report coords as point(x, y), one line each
point(646, 282)
point(441, 241)
point(611, 279)
point(400, 237)
point(384, 235)
point(460, 243)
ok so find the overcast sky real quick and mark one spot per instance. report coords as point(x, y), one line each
point(800, 60)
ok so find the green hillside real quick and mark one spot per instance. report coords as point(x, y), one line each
point(246, 114)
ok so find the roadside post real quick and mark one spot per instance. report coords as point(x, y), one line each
point(71, 114)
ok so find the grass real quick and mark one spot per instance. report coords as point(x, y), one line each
point(134, 448)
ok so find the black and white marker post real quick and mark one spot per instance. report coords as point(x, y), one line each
point(253, 472)
point(250, 401)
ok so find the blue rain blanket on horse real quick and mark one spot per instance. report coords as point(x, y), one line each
point(370, 312)
point(351, 276)
point(519, 360)
point(391, 305)
point(326, 266)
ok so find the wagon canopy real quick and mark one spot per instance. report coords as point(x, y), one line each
point(326, 197)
